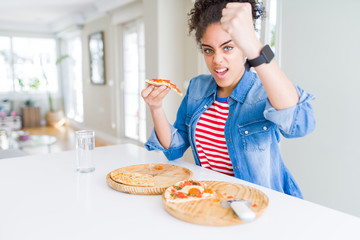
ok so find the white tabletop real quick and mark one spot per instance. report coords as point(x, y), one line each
point(43, 197)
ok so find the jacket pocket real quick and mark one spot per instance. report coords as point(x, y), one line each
point(256, 136)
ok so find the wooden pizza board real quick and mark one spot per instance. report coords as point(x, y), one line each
point(210, 212)
point(165, 175)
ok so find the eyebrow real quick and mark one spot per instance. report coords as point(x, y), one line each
point(205, 45)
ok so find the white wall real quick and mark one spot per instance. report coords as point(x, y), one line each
point(98, 99)
point(169, 50)
point(320, 48)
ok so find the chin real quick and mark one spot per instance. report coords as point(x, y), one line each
point(222, 84)
point(221, 81)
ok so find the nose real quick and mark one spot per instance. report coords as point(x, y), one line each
point(218, 58)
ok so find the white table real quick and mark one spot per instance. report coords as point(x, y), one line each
point(43, 197)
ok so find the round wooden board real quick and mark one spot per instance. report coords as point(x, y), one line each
point(210, 212)
point(165, 175)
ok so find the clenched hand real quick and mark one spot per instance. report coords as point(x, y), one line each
point(237, 21)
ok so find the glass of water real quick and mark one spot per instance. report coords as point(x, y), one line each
point(85, 146)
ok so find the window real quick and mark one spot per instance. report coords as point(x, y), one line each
point(72, 75)
point(272, 6)
point(268, 25)
point(133, 77)
point(6, 78)
point(28, 64)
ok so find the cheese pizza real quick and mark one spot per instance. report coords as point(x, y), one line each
point(188, 190)
point(163, 82)
point(133, 178)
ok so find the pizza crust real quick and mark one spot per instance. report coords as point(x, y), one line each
point(133, 178)
point(158, 84)
point(163, 82)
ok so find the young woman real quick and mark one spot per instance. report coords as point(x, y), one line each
point(233, 118)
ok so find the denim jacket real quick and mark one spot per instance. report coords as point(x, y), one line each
point(252, 130)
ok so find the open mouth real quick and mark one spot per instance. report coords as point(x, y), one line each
point(220, 72)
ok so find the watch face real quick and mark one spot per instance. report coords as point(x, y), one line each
point(268, 53)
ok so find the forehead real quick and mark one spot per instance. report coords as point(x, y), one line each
point(214, 35)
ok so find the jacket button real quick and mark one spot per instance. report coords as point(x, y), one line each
point(228, 139)
point(236, 167)
point(265, 128)
point(205, 106)
point(246, 132)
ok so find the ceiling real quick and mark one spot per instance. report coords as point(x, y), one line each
point(52, 15)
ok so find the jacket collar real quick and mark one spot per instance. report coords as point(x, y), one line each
point(212, 88)
point(244, 86)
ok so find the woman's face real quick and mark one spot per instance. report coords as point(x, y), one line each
point(223, 58)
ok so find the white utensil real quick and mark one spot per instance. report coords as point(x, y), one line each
point(240, 207)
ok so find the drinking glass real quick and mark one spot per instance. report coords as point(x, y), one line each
point(85, 145)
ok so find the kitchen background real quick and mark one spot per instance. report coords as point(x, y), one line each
point(316, 44)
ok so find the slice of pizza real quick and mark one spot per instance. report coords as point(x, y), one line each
point(133, 178)
point(161, 82)
point(188, 190)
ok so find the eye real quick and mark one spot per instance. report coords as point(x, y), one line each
point(228, 48)
point(207, 51)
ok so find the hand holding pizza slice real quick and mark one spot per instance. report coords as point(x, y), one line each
point(163, 82)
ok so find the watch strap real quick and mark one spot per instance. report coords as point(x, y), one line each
point(266, 56)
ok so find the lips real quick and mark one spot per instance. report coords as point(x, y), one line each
point(221, 72)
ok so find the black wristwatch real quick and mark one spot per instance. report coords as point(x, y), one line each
point(266, 56)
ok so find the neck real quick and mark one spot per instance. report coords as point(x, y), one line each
point(226, 91)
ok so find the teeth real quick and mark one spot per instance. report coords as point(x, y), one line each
point(221, 70)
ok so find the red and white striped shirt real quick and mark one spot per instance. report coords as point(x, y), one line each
point(210, 138)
